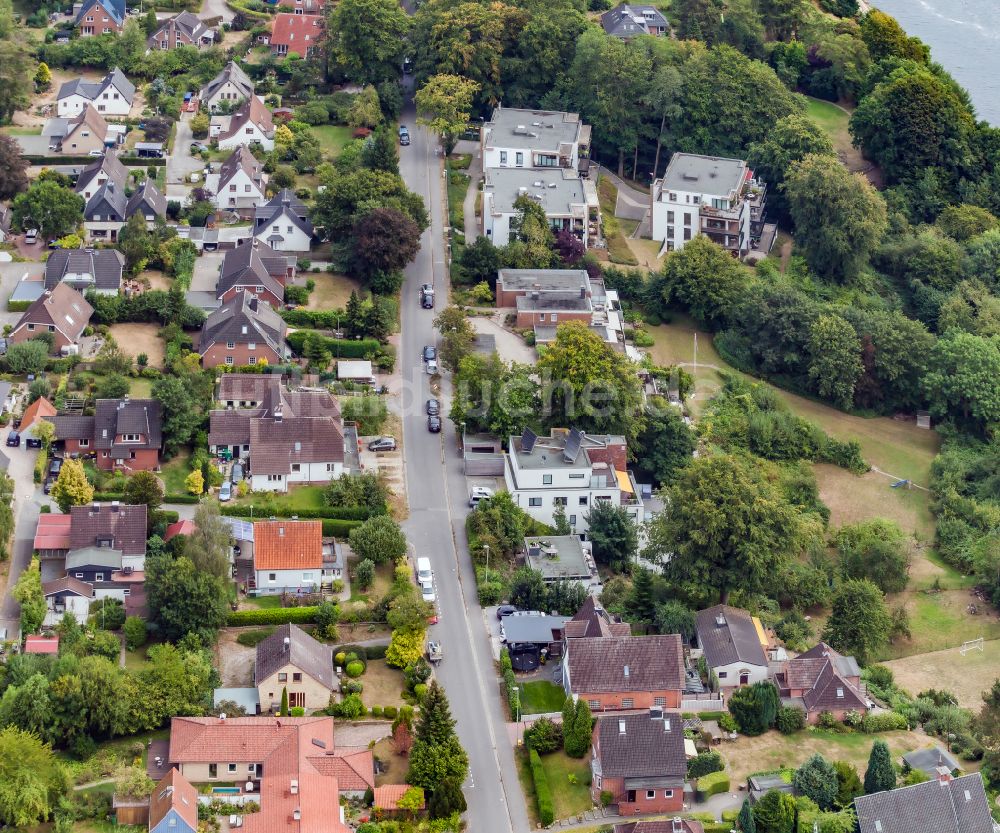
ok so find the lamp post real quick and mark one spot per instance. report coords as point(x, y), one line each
point(487, 548)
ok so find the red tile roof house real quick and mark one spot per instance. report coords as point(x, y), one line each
point(674, 825)
point(296, 772)
point(298, 33)
point(387, 797)
point(123, 434)
point(52, 536)
point(37, 644)
point(822, 680)
point(60, 311)
point(291, 556)
point(625, 672)
point(640, 760)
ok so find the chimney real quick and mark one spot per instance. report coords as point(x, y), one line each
point(583, 291)
point(222, 718)
point(720, 620)
point(297, 814)
point(621, 727)
point(294, 787)
point(943, 775)
point(287, 640)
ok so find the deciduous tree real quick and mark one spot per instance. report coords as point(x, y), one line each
point(876, 550)
point(28, 593)
point(31, 779)
point(834, 359)
point(457, 336)
point(144, 487)
point(378, 539)
point(613, 534)
point(859, 622)
point(72, 487)
point(13, 169)
point(51, 208)
point(963, 379)
point(839, 218)
point(183, 599)
point(367, 39)
point(208, 545)
point(706, 278)
point(385, 240)
point(444, 104)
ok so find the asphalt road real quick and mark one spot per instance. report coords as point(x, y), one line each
point(436, 526)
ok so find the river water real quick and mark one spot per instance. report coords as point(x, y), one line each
point(964, 37)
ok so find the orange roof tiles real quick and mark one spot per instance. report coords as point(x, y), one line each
point(299, 32)
point(185, 527)
point(52, 532)
point(174, 791)
point(41, 407)
point(288, 545)
point(387, 796)
point(36, 644)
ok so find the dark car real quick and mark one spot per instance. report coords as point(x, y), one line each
point(54, 467)
point(198, 147)
point(382, 444)
point(32, 442)
point(506, 610)
point(433, 407)
point(430, 353)
point(434, 424)
point(47, 487)
point(427, 301)
point(14, 440)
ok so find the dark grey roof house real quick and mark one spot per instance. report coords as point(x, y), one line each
point(242, 321)
point(731, 644)
point(290, 645)
point(629, 21)
point(619, 664)
point(645, 749)
point(108, 167)
point(83, 269)
point(930, 761)
point(255, 267)
point(147, 201)
point(283, 223)
point(107, 205)
point(949, 805)
point(109, 526)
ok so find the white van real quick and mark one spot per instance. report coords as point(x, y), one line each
point(424, 570)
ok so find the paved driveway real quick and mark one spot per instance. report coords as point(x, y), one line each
point(511, 347)
point(216, 8)
point(206, 272)
point(180, 162)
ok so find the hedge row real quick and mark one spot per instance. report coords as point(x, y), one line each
point(272, 616)
point(340, 513)
point(712, 784)
point(18, 306)
point(315, 319)
point(343, 348)
point(883, 722)
point(135, 161)
point(366, 651)
point(339, 529)
point(107, 497)
point(543, 792)
point(510, 684)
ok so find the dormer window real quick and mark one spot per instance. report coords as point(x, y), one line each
point(131, 438)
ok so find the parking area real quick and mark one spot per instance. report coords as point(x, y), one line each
point(206, 272)
point(510, 346)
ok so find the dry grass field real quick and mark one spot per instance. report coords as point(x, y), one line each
point(966, 677)
point(134, 339)
point(331, 292)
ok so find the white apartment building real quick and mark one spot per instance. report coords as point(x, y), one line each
point(516, 138)
point(708, 195)
point(573, 470)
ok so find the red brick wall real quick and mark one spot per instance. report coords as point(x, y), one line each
point(146, 459)
point(507, 297)
point(642, 805)
point(24, 334)
point(640, 699)
point(216, 355)
point(73, 447)
point(266, 295)
point(526, 320)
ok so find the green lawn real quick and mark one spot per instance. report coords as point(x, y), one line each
point(332, 138)
point(174, 472)
point(265, 601)
point(541, 697)
point(458, 187)
point(570, 798)
point(140, 388)
point(300, 497)
point(833, 120)
point(22, 131)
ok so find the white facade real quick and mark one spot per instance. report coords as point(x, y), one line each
point(739, 674)
point(78, 606)
point(249, 134)
point(516, 138)
point(240, 191)
point(566, 199)
point(103, 229)
point(228, 92)
point(575, 486)
point(293, 237)
point(677, 216)
point(306, 473)
point(278, 581)
point(109, 102)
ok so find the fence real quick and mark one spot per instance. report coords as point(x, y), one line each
point(707, 703)
point(483, 465)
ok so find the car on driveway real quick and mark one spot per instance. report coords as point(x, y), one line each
point(382, 444)
point(433, 407)
point(506, 610)
point(31, 236)
point(478, 493)
point(13, 440)
point(430, 353)
point(55, 465)
point(434, 424)
point(32, 442)
point(226, 491)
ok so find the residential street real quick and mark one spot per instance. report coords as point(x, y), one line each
point(436, 526)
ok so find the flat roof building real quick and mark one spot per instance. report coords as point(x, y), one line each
point(560, 558)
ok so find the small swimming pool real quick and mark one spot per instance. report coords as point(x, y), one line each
point(226, 790)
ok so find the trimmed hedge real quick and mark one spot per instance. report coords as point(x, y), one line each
point(883, 722)
point(340, 513)
point(314, 319)
point(704, 763)
point(272, 616)
point(339, 529)
point(343, 348)
point(543, 792)
point(189, 499)
point(18, 306)
point(107, 497)
point(712, 784)
point(134, 161)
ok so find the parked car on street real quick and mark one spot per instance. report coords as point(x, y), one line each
point(434, 652)
point(434, 424)
point(430, 353)
point(433, 407)
point(427, 300)
point(432, 367)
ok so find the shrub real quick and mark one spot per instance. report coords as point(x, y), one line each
point(790, 720)
point(135, 632)
point(339, 659)
point(712, 784)
point(297, 711)
point(543, 792)
point(420, 691)
point(727, 723)
point(390, 712)
point(350, 708)
point(704, 763)
point(883, 722)
point(355, 668)
point(754, 708)
point(272, 616)
point(544, 736)
point(376, 651)
point(377, 711)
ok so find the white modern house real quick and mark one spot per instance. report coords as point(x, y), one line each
point(515, 138)
point(570, 202)
point(709, 195)
point(67, 595)
point(291, 556)
point(572, 470)
point(112, 95)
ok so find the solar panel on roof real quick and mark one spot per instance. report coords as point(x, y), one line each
point(528, 440)
point(572, 448)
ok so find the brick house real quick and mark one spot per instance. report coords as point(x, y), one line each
point(243, 331)
point(255, 267)
point(821, 680)
point(101, 17)
point(296, 33)
point(184, 29)
point(123, 434)
point(674, 825)
point(640, 760)
point(61, 311)
point(625, 672)
point(291, 660)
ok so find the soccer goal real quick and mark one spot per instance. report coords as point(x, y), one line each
point(972, 645)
